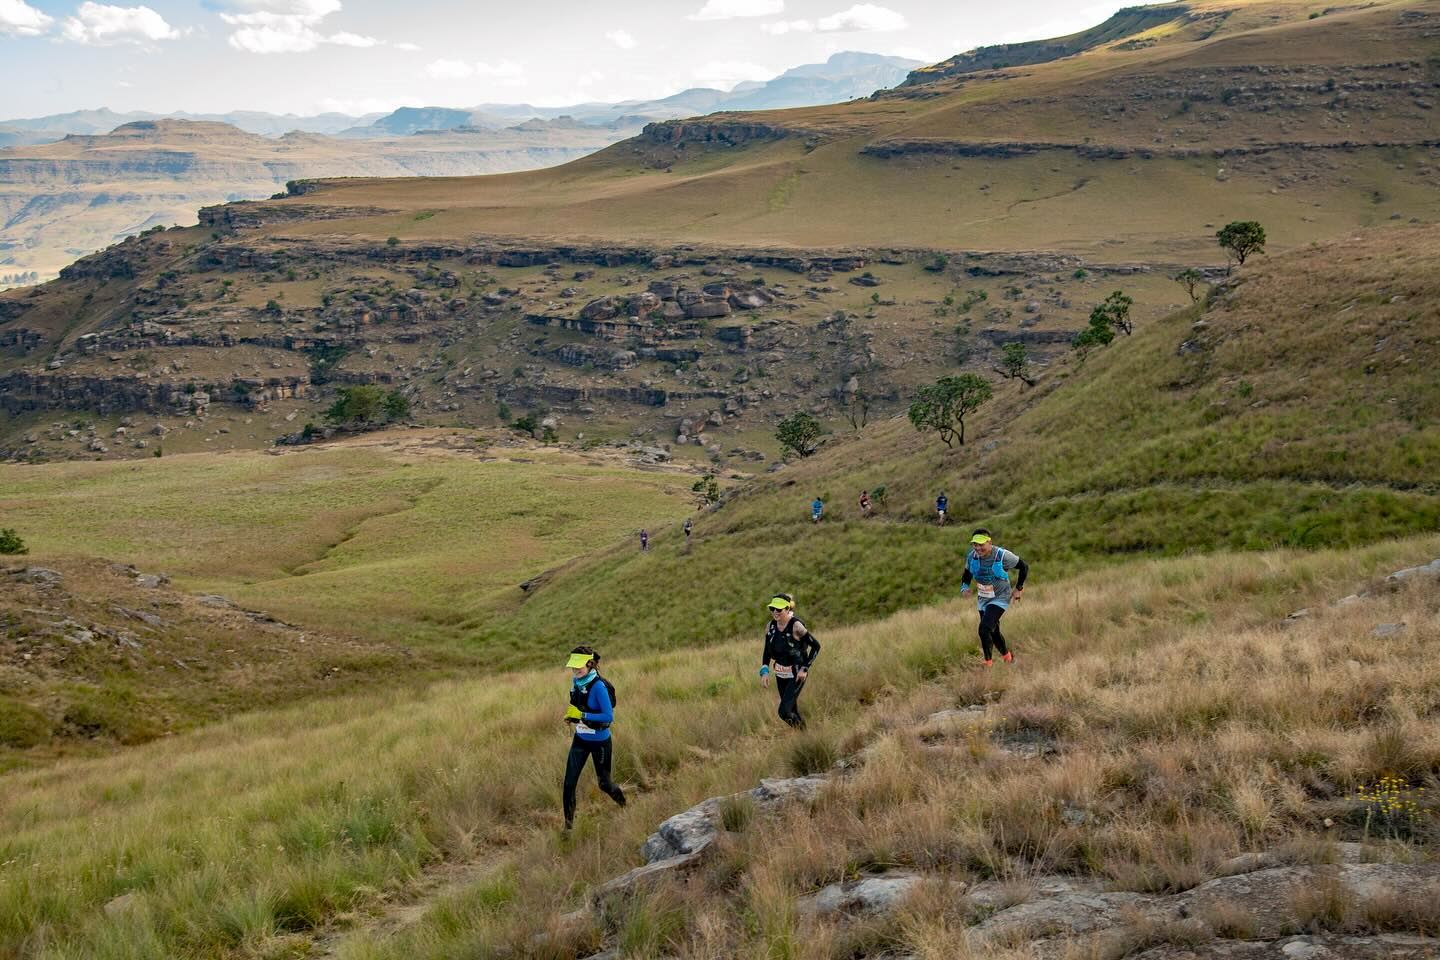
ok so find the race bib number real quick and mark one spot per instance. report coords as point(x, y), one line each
point(986, 591)
point(583, 727)
point(786, 672)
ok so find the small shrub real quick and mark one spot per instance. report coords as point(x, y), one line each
point(21, 725)
point(812, 753)
point(800, 433)
point(392, 241)
point(736, 812)
point(11, 544)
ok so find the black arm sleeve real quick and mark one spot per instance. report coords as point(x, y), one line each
point(768, 653)
point(965, 577)
point(812, 649)
point(1024, 571)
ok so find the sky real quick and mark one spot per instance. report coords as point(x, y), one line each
point(359, 56)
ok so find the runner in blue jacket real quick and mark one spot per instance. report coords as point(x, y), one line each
point(592, 711)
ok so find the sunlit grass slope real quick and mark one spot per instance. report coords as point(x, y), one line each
point(395, 540)
point(1165, 681)
point(1299, 408)
point(1123, 165)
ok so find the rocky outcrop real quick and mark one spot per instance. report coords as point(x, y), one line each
point(23, 392)
point(728, 132)
point(995, 149)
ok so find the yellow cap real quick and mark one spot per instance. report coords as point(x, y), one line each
point(980, 538)
point(578, 661)
point(780, 603)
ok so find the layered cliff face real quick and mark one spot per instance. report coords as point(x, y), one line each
point(62, 200)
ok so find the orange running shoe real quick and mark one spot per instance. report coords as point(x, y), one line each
point(1008, 658)
point(989, 663)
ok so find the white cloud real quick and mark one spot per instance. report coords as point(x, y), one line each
point(781, 27)
point(449, 69)
point(724, 74)
point(864, 17)
point(19, 19)
point(344, 39)
point(408, 47)
point(1073, 20)
point(729, 9)
point(507, 73)
point(286, 26)
point(101, 25)
point(621, 39)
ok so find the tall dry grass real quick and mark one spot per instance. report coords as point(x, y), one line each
point(1190, 726)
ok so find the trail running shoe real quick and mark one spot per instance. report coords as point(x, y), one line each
point(1008, 658)
point(989, 663)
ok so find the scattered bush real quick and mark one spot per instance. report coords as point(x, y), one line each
point(800, 433)
point(11, 544)
point(365, 405)
point(1240, 238)
point(943, 406)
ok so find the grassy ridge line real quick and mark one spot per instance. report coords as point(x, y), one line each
point(414, 540)
point(1302, 412)
point(238, 835)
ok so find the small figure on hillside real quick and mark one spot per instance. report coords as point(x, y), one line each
point(592, 710)
point(644, 540)
point(864, 503)
point(941, 506)
point(817, 507)
point(988, 566)
point(688, 526)
point(790, 650)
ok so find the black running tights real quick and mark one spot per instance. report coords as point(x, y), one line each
point(790, 701)
point(580, 751)
point(990, 637)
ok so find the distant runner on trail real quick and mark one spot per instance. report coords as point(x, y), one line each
point(817, 507)
point(644, 540)
point(864, 503)
point(941, 505)
point(790, 649)
point(592, 710)
point(988, 566)
point(688, 525)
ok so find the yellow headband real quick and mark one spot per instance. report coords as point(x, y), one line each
point(779, 603)
point(578, 661)
point(980, 538)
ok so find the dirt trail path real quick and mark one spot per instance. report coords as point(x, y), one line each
point(401, 910)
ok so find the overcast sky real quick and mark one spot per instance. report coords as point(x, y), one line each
point(354, 56)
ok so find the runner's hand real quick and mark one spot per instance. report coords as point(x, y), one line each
point(1016, 596)
point(800, 675)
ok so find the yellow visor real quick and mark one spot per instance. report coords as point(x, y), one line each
point(577, 661)
point(779, 603)
point(979, 538)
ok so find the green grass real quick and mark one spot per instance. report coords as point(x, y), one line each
point(241, 838)
point(1283, 426)
point(407, 544)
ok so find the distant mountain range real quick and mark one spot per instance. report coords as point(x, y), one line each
point(844, 76)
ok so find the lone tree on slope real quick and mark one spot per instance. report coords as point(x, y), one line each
point(1015, 363)
point(942, 406)
point(1240, 238)
point(1190, 279)
point(1114, 312)
point(800, 433)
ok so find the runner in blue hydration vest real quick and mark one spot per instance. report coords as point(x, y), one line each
point(816, 509)
point(592, 711)
point(988, 566)
point(941, 505)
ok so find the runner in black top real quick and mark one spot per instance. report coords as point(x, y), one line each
point(790, 649)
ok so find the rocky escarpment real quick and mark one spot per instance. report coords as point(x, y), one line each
point(1125, 23)
point(726, 132)
point(940, 146)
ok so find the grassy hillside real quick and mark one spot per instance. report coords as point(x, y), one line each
point(1298, 408)
point(1125, 149)
point(414, 531)
point(253, 837)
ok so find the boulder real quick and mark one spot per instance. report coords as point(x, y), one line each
point(693, 830)
point(42, 575)
point(863, 896)
point(605, 308)
point(706, 309)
